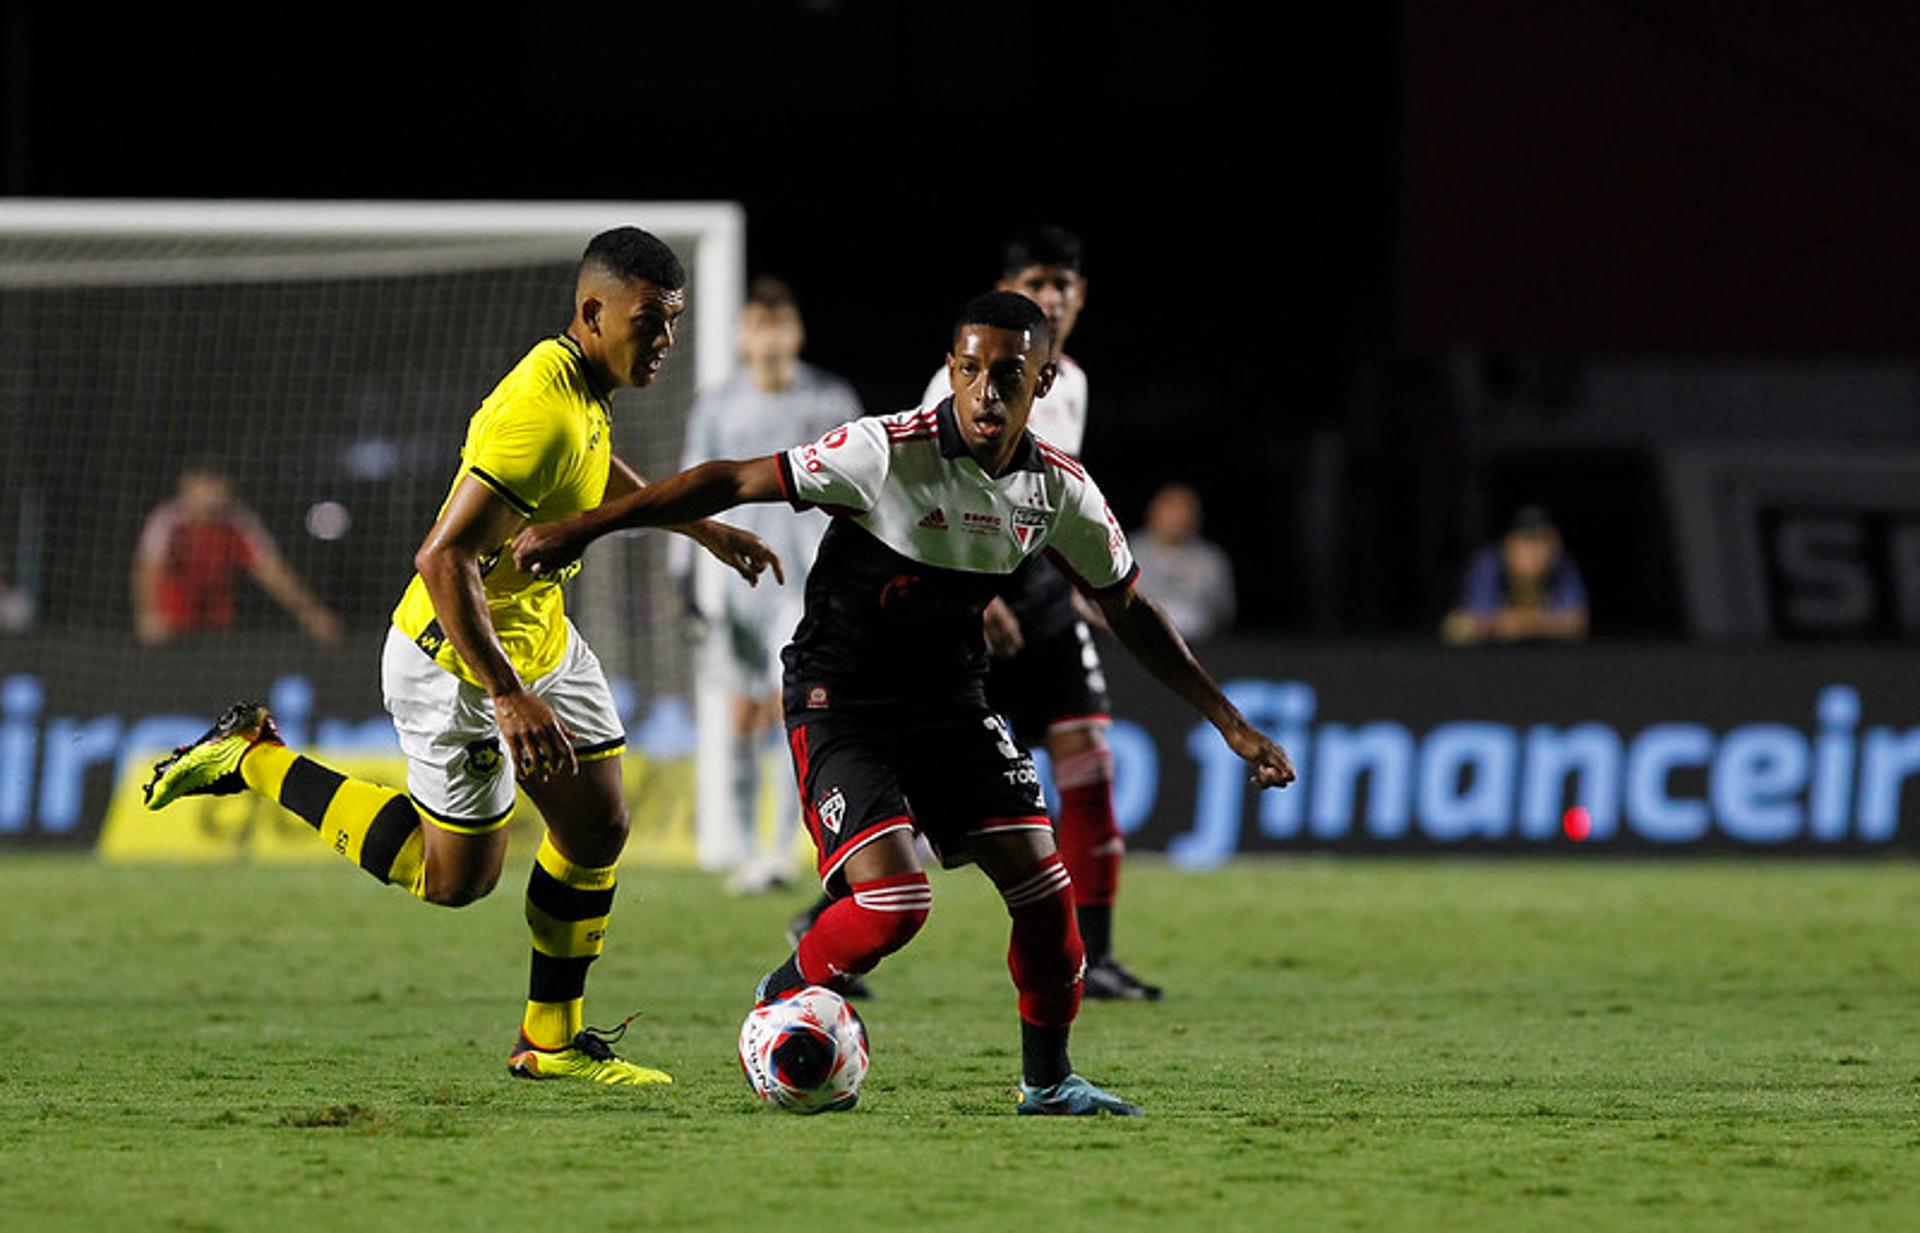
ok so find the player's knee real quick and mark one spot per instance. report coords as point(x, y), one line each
point(1067, 743)
point(601, 843)
point(460, 890)
point(1087, 766)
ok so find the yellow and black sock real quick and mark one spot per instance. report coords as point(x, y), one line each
point(567, 907)
point(375, 827)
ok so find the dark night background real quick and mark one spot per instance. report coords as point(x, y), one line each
point(1291, 213)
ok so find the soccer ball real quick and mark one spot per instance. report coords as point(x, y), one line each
point(806, 1052)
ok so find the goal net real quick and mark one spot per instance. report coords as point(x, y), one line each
point(306, 371)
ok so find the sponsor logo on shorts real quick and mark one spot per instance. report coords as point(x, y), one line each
point(936, 520)
point(483, 758)
point(832, 810)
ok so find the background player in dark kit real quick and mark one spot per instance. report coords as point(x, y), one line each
point(885, 679)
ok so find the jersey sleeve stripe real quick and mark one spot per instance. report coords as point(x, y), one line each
point(784, 465)
point(501, 490)
point(1061, 460)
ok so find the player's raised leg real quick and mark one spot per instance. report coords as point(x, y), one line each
point(854, 809)
point(1047, 960)
point(372, 825)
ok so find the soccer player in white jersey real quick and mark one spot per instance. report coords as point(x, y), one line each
point(1046, 676)
point(774, 399)
point(887, 714)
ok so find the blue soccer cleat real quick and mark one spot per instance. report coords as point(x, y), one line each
point(1073, 1097)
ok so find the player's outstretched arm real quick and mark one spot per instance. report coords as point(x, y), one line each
point(687, 497)
point(743, 552)
point(1151, 638)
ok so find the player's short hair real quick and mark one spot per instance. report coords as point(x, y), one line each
point(635, 255)
point(1042, 245)
point(771, 294)
point(1004, 310)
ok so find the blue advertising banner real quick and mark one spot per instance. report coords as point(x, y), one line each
point(1401, 748)
point(1644, 749)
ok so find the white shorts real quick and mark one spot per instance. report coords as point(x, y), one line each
point(456, 770)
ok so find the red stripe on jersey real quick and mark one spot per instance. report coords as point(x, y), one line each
point(919, 423)
point(1060, 459)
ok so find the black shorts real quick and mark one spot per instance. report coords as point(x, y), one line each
point(1054, 682)
point(949, 778)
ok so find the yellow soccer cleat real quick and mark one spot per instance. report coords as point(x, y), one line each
point(211, 765)
point(589, 1057)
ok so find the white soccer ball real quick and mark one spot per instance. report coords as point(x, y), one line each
point(806, 1052)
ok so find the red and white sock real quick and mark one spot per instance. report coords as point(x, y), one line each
point(1044, 954)
point(857, 932)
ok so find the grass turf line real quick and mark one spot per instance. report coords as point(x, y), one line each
point(1346, 1045)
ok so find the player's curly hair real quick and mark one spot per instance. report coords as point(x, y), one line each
point(633, 254)
point(1005, 310)
point(1042, 245)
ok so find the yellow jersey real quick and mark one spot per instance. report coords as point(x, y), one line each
point(542, 441)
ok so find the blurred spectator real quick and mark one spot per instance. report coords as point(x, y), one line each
point(774, 400)
point(1188, 576)
point(188, 553)
point(1524, 588)
point(16, 608)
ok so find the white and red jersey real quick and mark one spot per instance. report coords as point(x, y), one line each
point(1060, 418)
point(921, 541)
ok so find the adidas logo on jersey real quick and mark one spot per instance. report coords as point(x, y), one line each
point(936, 520)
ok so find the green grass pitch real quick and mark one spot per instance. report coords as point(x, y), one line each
point(1364, 1045)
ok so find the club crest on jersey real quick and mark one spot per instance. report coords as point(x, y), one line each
point(832, 810)
point(936, 520)
point(816, 697)
point(1027, 523)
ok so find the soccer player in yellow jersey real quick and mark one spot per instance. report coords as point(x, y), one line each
point(488, 681)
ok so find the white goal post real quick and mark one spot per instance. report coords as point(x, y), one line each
point(180, 272)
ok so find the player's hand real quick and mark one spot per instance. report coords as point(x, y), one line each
point(540, 744)
point(544, 547)
point(743, 552)
point(1002, 630)
point(1268, 762)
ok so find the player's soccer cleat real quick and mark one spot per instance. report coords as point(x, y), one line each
point(1073, 1097)
point(1110, 981)
point(589, 1057)
point(211, 765)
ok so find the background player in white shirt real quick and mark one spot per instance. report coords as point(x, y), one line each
point(885, 680)
point(774, 399)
